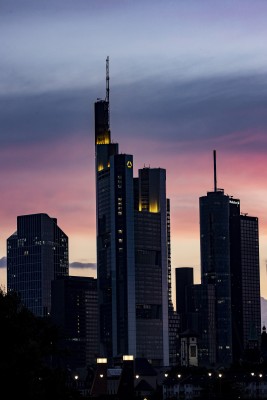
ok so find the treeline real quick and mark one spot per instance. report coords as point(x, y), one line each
point(28, 350)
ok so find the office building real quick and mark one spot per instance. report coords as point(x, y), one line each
point(200, 318)
point(184, 277)
point(151, 267)
point(246, 313)
point(37, 253)
point(115, 240)
point(230, 262)
point(75, 311)
point(132, 248)
point(215, 266)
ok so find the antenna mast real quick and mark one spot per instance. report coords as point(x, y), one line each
point(215, 173)
point(107, 86)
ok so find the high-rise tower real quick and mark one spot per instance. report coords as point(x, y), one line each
point(37, 253)
point(74, 311)
point(115, 241)
point(245, 285)
point(151, 257)
point(133, 250)
point(215, 265)
point(230, 262)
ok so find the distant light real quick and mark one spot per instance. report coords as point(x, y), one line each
point(76, 377)
point(128, 358)
point(179, 375)
point(220, 375)
point(165, 375)
point(209, 373)
point(137, 376)
point(101, 360)
point(101, 375)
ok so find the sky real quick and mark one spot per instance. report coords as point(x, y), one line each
point(186, 78)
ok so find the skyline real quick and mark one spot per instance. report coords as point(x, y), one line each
point(191, 79)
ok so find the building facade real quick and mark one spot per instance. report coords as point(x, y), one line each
point(151, 266)
point(215, 266)
point(245, 265)
point(37, 253)
point(74, 310)
point(132, 251)
point(229, 243)
point(184, 277)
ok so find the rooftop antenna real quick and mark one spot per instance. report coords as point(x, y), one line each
point(215, 173)
point(107, 86)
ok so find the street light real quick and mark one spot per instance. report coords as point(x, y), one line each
point(179, 377)
point(209, 386)
point(220, 384)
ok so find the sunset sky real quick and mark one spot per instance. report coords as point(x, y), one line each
point(186, 77)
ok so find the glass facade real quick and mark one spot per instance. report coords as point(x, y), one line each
point(152, 232)
point(215, 266)
point(250, 279)
point(37, 253)
point(133, 252)
point(74, 309)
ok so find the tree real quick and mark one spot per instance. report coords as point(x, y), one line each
point(28, 348)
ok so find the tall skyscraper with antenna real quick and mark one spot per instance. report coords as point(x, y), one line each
point(226, 262)
point(115, 244)
point(132, 250)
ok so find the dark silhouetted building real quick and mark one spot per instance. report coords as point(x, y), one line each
point(184, 277)
point(132, 251)
point(37, 253)
point(151, 267)
point(215, 266)
point(115, 240)
point(245, 285)
point(200, 315)
point(230, 262)
point(75, 311)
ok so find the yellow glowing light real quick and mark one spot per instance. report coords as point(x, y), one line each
point(153, 207)
point(129, 164)
point(103, 139)
point(101, 360)
point(128, 358)
point(100, 167)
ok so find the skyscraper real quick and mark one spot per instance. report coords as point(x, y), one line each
point(184, 277)
point(37, 253)
point(151, 257)
point(115, 240)
point(132, 248)
point(74, 311)
point(215, 266)
point(245, 285)
point(230, 262)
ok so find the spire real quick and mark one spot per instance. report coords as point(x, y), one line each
point(107, 87)
point(215, 173)
point(102, 125)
